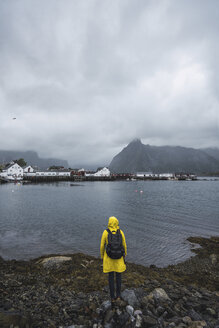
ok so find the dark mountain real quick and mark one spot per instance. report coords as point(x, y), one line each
point(31, 157)
point(137, 157)
point(213, 152)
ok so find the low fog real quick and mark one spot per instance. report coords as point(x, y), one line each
point(84, 78)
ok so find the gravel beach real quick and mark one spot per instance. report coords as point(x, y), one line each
point(70, 290)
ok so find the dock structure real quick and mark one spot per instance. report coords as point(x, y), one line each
point(114, 177)
point(40, 179)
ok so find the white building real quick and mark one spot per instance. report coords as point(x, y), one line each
point(15, 172)
point(104, 172)
point(166, 175)
point(28, 169)
point(148, 175)
point(52, 173)
point(81, 170)
point(12, 172)
point(144, 174)
point(64, 173)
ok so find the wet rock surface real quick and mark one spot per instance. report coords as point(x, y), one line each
point(71, 291)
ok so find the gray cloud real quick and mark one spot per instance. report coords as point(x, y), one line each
point(85, 78)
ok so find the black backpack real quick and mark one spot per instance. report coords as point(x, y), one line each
point(114, 248)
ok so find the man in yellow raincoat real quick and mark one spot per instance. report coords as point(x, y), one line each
point(113, 265)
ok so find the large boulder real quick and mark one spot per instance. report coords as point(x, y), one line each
point(50, 262)
point(129, 296)
point(160, 295)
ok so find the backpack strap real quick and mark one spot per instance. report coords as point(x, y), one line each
point(109, 235)
point(109, 231)
point(120, 235)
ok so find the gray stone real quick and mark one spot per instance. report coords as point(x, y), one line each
point(129, 296)
point(144, 301)
point(106, 305)
point(50, 262)
point(181, 325)
point(197, 294)
point(186, 319)
point(149, 321)
point(171, 325)
point(197, 324)
point(65, 314)
point(108, 325)
point(160, 295)
point(129, 309)
point(98, 311)
point(119, 312)
point(176, 320)
point(160, 310)
point(132, 318)
point(194, 315)
point(138, 321)
point(137, 312)
point(123, 318)
point(108, 316)
point(211, 312)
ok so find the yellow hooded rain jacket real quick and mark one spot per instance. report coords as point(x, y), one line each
point(108, 263)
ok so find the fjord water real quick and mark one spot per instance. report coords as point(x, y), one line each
point(156, 217)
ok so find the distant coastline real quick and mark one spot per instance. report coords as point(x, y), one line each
point(18, 171)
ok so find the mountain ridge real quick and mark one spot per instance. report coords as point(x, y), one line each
point(31, 157)
point(137, 157)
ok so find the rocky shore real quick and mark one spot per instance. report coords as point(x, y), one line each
point(71, 291)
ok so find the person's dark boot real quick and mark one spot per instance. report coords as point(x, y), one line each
point(113, 303)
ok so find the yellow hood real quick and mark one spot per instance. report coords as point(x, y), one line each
point(113, 223)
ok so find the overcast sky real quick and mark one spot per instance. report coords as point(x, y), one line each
point(84, 78)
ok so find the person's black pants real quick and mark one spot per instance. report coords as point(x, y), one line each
point(118, 284)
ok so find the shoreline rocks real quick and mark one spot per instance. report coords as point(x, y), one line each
point(71, 291)
point(54, 261)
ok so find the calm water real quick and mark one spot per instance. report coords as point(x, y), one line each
point(57, 218)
